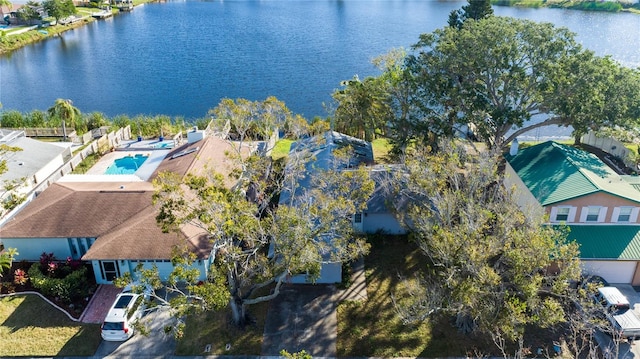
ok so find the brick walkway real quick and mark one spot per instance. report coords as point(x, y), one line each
point(100, 303)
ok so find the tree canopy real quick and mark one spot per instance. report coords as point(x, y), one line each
point(493, 77)
point(59, 9)
point(474, 10)
point(490, 265)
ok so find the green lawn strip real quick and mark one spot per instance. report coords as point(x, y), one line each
point(281, 149)
point(86, 164)
point(31, 327)
point(381, 148)
point(216, 328)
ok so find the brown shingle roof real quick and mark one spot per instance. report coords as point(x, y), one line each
point(210, 153)
point(72, 210)
point(120, 215)
point(141, 238)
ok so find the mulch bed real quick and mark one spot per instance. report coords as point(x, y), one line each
point(75, 308)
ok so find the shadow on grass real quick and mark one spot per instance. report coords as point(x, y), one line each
point(373, 327)
point(32, 327)
point(216, 329)
point(32, 311)
point(85, 342)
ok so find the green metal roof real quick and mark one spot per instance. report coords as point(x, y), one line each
point(555, 172)
point(607, 241)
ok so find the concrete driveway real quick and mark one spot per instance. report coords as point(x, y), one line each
point(156, 344)
point(302, 317)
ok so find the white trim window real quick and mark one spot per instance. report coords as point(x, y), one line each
point(593, 214)
point(625, 215)
point(563, 214)
point(357, 218)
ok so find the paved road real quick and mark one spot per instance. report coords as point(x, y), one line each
point(157, 344)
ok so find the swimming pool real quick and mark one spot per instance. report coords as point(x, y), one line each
point(126, 165)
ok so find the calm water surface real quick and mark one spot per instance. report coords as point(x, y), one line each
point(181, 57)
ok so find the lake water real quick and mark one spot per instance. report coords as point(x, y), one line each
point(180, 58)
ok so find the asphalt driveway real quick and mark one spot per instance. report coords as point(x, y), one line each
point(156, 344)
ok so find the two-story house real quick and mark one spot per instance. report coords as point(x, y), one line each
point(599, 207)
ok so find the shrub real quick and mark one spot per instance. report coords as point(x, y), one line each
point(72, 286)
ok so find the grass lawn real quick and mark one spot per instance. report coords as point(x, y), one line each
point(381, 148)
point(86, 164)
point(216, 328)
point(31, 327)
point(281, 149)
point(372, 327)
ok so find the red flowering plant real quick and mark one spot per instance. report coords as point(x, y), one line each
point(20, 277)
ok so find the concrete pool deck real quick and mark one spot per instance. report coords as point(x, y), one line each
point(97, 172)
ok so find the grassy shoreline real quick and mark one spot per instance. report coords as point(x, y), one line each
point(10, 43)
point(608, 6)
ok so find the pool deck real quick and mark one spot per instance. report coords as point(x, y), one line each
point(96, 173)
point(154, 145)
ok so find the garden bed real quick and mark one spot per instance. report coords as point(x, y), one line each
point(74, 303)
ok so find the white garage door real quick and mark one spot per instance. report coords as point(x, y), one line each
point(611, 271)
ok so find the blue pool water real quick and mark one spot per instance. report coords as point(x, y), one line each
point(126, 165)
point(166, 145)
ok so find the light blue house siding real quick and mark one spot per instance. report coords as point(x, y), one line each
point(106, 270)
point(380, 222)
point(330, 273)
point(30, 249)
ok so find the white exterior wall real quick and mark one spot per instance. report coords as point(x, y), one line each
point(30, 249)
point(330, 273)
point(381, 222)
point(47, 170)
point(611, 271)
point(524, 198)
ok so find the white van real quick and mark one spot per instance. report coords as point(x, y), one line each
point(127, 308)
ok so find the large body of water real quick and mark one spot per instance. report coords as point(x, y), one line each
point(180, 58)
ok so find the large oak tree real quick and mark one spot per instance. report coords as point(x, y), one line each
point(491, 265)
point(498, 73)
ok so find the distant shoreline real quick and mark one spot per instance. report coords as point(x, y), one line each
point(599, 6)
point(9, 43)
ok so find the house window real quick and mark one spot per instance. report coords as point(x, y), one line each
point(357, 218)
point(625, 214)
point(592, 215)
point(562, 214)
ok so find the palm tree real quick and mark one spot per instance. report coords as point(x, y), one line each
point(6, 259)
point(8, 4)
point(64, 111)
